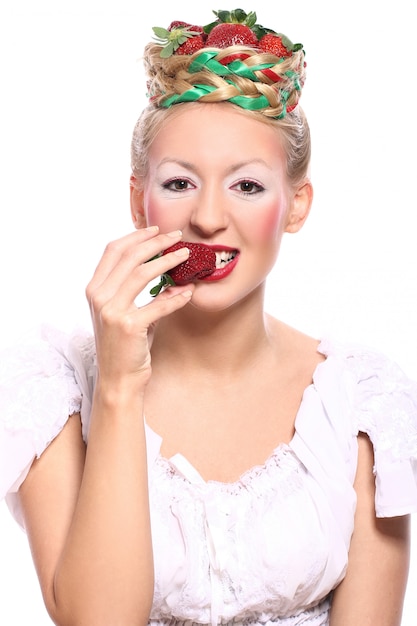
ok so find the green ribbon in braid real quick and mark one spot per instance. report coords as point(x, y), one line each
point(207, 61)
point(197, 91)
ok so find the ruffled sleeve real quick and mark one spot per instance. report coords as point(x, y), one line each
point(42, 382)
point(384, 406)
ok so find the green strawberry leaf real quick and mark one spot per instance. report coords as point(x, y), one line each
point(239, 16)
point(209, 27)
point(172, 40)
point(224, 16)
point(250, 19)
point(293, 47)
point(286, 41)
point(260, 31)
point(167, 50)
point(161, 33)
point(165, 281)
point(155, 290)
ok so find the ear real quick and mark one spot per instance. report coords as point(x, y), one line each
point(300, 209)
point(136, 203)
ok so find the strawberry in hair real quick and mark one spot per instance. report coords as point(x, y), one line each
point(225, 35)
point(179, 24)
point(192, 44)
point(179, 38)
point(232, 28)
point(277, 44)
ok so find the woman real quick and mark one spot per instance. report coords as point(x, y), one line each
point(228, 475)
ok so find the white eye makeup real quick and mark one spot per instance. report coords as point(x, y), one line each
point(248, 187)
point(244, 179)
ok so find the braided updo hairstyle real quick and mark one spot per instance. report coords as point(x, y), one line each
point(279, 87)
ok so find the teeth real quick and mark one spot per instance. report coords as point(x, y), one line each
point(224, 257)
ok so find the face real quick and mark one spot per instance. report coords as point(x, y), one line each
point(220, 177)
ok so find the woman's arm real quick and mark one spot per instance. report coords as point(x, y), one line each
point(372, 593)
point(87, 520)
point(86, 511)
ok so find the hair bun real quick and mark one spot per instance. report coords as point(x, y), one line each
point(232, 59)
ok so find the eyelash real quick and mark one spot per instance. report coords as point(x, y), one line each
point(169, 184)
point(255, 187)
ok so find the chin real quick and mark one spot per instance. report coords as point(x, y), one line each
point(205, 306)
point(216, 301)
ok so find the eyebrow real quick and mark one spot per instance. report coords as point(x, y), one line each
point(233, 168)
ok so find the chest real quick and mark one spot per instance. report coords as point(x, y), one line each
point(224, 429)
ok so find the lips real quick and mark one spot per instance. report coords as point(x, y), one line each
point(226, 260)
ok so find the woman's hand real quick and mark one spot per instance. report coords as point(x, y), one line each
point(123, 331)
point(86, 509)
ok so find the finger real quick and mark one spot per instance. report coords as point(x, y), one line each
point(171, 291)
point(124, 259)
point(115, 249)
point(142, 275)
point(164, 304)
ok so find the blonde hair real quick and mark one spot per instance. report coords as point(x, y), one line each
point(280, 88)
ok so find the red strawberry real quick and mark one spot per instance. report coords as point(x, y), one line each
point(178, 24)
point(200, 263)
point(194, 43)
point(191, 45)
point(230, 34)
point(177, 35)
point(279, 45)
point(273, 44)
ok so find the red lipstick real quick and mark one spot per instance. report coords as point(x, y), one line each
point(227, 268)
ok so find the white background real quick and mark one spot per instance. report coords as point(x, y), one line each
point(72, 88)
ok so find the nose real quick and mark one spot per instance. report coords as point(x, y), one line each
point(210, 212)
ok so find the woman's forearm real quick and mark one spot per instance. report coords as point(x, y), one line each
point(105, 574)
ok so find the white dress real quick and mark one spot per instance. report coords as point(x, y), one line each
point(269, 547)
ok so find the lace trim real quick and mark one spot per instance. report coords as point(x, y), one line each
point(281, 458)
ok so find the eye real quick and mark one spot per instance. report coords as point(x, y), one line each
point(249, 187)
point(177, 184)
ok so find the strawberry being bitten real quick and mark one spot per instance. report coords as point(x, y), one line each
point(200, 263)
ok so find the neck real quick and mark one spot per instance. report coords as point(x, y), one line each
point(219, 342)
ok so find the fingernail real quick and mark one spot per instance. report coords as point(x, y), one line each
point(175, 233)
point(152, 228)
point(187, 294)
point(182, 252)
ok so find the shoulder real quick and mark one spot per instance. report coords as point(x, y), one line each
point(377, 382)
point(44, 379)
point(380, 400)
